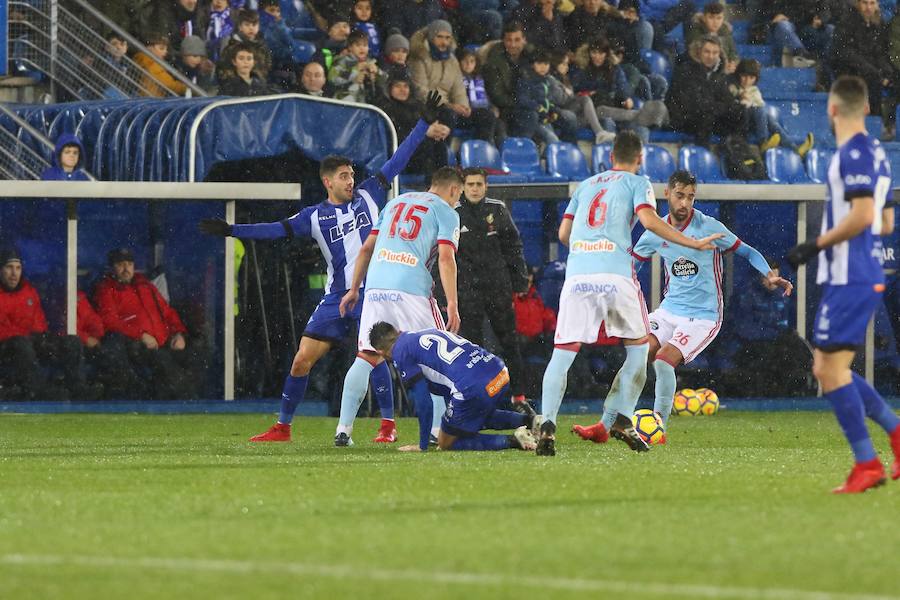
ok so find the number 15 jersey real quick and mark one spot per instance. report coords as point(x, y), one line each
point(604, 210)
point(409, 230)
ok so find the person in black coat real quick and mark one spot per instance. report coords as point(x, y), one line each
point(244, 82)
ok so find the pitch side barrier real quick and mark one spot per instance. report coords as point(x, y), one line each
point(72, 193)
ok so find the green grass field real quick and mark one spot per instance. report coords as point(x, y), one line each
point(736, 506)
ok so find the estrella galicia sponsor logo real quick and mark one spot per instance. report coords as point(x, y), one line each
point(585, 246)
point(595, 288)
point(857, 180)
point(384, 297)
point(399, 258)
point(338, 232)
point(684, 268)
point(654, 325)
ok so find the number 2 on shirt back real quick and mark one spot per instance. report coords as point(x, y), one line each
point(597, 210)
point(411, 219)
point(443, 347)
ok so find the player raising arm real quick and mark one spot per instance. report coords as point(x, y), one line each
point(858, 208)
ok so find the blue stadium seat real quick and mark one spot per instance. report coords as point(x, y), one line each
point(785, 166)
point(894, 159)
point(740, 31)
point(658, 163)
point(777, 82)
point(600, 160)
point(806, 113)
point(762, 53)
point(452, 160)
point(302, 51)
point(479, 153)
point(702, 163)
point(566, 160)
point(520, 157)
point(817, 161)
point(657, 63)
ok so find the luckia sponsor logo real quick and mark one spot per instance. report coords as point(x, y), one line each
point(400, 258)
point(583, 246)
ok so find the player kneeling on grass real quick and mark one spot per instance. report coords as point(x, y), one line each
point(473, 381)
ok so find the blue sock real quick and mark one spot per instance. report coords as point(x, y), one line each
point(356, 382)
point(438, 406)
point(481, 441)
point(665, 389)
point(291, 395)
point(876, 408)
point(850, 413)
point(628, 384)
point(505, 419)
point(554, 387)
point(383, 388)
point(418, 391)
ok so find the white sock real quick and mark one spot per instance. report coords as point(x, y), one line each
point(440, 405)
point(356, 382)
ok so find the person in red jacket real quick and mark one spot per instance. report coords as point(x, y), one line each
point(131, 307)
point(29, 356)
point(534, 321)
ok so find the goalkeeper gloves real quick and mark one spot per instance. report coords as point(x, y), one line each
point(802, 253)
point(432, 104)
point(216, 227)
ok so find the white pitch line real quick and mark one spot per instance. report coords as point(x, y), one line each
point(341, 571)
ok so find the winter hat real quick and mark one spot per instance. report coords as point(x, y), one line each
point(439, 26)
point(395, 41)
point(9, 254)
point(192, 45)
point(119, 255)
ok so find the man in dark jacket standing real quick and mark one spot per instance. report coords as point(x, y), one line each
point(506, 62)
point(699, 101)
point(491, 269)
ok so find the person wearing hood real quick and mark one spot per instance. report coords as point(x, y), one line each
point(68, 156)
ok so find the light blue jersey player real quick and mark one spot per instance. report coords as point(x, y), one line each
point(858, 209)
point(601, 288)
point(473, 382)
point(339, 225)
point(690, 315)
point(413, 231)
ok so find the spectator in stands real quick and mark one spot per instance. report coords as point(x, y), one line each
point(664, 16)
point(631, 30)
point(26, 349)
point(409, 16)
point(362, 13)
point(248, 34)
point(562, 93)
point(114, 56)
point(506, 62)
point(174, 19)
point(404, 112)
point(279, 40)
point(354, 74)
point(242, 80)
point(778, 21)
point(476, 92)
point(194, 63)
point(68, 157)
point(335, 42)
point(596, 18)
point(326, 11)
point(712, 20)
point(156, 339)
point(313, 81)
point(536, 114)
point(535, 323)
point(157, 80)
point(699, 100)
point(394, 60)
point(220, 28)
point(861, 48)
point(651, 86)
point(765, 129)
point(124, 13)
point(543, 25)
point(482, 20)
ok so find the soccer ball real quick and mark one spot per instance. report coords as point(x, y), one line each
point(687, 403)
point(709, 401)
point(648, 425)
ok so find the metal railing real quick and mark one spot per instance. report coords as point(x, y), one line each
point(47, 36)
point(18, 159)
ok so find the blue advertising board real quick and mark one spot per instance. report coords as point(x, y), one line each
point(4, 37)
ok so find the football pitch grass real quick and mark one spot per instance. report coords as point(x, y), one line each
point(735, 506)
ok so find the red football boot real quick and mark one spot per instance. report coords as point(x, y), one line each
point(864, 475)
point(279, 432)
point(895, 446)
point(592, 433)
point(387, 434)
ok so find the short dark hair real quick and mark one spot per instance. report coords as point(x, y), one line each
point(356, 36)
point(714, 8)
point(242, 47)
point(540, 56)
point(382, 335)
point(512, 27)
point(683, 177)
point(332, 163)
point(446, 176)
point(267, 3)
point(156, 37)
point(627, 147)
point(114, 35)
point(473, 172)
point(748, 66)
point(710, 38)
point(599, 43)
point(246, 15)
point(850, 94)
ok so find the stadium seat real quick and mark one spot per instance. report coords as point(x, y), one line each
point(302, 51)
point(566, 160)
point(785, 166)
point(657, 63)
point(452, 160)
point(777, 82)
point(658, 163)
point(817, 161)
point(479, 153)
point(702, 163)
point(520, 157)
point(894, 159)
point(600, 160)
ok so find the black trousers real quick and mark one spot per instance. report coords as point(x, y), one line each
point(498, 308)
point(161, 374)
point(34, 361)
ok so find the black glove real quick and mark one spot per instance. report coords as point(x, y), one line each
point(802, 253)
point(215, 227)
point(432, 103)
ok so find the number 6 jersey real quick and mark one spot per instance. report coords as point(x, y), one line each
point(604, 210)
point(409, 230)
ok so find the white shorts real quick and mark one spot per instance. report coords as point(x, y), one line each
point(689, 336)
point(406, 312)
point(587, 301)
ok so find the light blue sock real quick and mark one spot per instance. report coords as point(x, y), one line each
point(629, 383)
point(665, 389)
point(383, 388)
point(610, 412)
point(356, 382)
point(438, 408)
point(555, 378)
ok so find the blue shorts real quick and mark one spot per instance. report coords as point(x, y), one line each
point(466, 417)
point(327, 324)
point(843, 315)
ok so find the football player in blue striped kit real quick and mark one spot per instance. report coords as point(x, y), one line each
point(690, 315)
point(340, 226)
point(859, 207)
